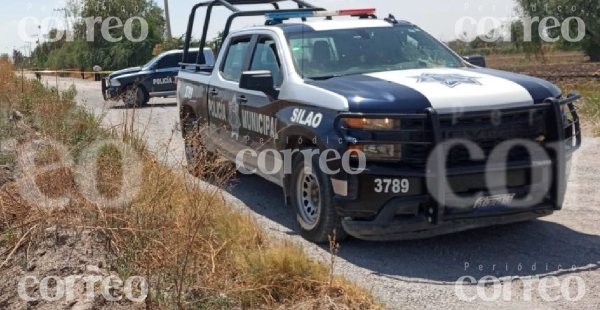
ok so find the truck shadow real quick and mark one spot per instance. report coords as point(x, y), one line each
point(534, 248)
point(148, 106)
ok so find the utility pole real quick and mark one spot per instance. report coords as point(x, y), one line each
point(66, 17)
point(168, 21)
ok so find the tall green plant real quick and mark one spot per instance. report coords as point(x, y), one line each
point(116, 55)
point(83, 52)
point(587, 10)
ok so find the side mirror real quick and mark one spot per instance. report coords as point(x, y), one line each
point(476, 60)
point(259, 81)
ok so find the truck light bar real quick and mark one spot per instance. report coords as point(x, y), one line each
point(351, 12)
point(354, 12)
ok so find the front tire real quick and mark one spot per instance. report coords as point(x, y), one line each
point(135, 97)
point(312, 198)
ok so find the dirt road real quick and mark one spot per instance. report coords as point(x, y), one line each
point(422, 274)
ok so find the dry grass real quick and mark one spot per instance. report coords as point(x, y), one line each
point(528, 60)
point(589, 109)
point(196, 252)
point(558, 67)
point(218, 256)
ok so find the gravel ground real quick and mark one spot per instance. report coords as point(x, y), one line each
point(63, 254)
point(422, 274)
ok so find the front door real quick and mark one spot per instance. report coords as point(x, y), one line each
point(225, 97)
point(244, 119)
point(257, 112)
point(164, 77)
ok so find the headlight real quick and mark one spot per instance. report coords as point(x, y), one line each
point(372, 123)
point(381, 152)
point(115, 82)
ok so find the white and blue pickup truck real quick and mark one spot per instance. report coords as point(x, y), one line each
point(372, 127)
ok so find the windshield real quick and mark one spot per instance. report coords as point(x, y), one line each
point(326, 54)
point(152, 62)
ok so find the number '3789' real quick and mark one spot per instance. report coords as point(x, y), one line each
point(394, 186)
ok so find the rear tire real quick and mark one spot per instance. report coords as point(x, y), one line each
point(135, 97)
point(202, 163)
point(194, 148)
point(312, 198)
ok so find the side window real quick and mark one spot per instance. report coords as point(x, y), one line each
point(232, 67)
point(169, 61)
point(267, 58)
point(191, 57)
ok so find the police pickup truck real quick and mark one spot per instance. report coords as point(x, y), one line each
point(373, 128)
point(135, 86)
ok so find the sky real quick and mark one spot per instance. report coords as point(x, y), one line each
point(438, 17)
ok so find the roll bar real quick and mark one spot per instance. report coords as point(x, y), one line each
point(303, 6)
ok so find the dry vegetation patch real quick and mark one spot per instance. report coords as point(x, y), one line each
point(571, 72)
point(195, 251)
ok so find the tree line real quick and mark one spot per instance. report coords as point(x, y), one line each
point(77, 51)
point(80, 53)
point(586, 10)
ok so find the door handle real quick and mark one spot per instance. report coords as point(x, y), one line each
point(213, 92)
point(242, 99)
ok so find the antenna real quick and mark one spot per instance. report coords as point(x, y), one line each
point(391, 19)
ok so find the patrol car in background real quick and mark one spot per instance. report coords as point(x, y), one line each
point(135, 86)
point(427, 121)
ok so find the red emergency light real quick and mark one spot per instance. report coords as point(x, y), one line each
point(349, 12)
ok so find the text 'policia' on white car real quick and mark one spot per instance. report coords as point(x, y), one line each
point(444, 145)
